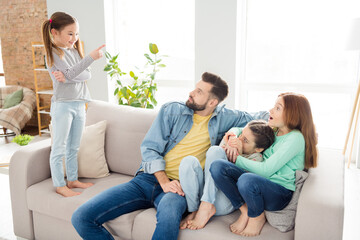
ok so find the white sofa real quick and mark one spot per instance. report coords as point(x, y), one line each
point(40, 213)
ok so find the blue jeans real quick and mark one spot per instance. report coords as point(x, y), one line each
point(242, 187)
point(68, 121)
point(198, 185)
point(142, 192)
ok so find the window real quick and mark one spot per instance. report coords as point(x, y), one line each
point(300, 46)
point(169, 24)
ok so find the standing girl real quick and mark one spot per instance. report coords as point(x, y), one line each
point(254, 186)
point(68, 70)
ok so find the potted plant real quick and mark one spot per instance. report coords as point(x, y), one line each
point(141, 92)
point(22, 139)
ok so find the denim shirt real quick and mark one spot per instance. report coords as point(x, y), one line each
point(175, 120)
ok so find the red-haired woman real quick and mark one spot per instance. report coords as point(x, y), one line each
point(253, 186)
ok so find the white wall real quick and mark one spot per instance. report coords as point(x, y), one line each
point(90, 14)
point(215, 41)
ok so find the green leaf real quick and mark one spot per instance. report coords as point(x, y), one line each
point(116, 91)
point(161, 65)
point(132, 74)
point(123, 91)
point(153, 48)
point(107, 68)
point(148, 57)
point(118, 82)
point(107, 55)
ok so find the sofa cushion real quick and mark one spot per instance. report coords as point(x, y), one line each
point(43, 199)
point(217, 228)
point(126, 128)
point(13, 99)
point(284, 220)
point(91, 156)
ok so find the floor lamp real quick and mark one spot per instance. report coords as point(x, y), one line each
point(353, 44)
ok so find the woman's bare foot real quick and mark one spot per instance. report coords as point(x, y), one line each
point(203, 215)
point(240, 224)
point(66, 192)
point(183, 223)
point(254, 226)
point(78, 184)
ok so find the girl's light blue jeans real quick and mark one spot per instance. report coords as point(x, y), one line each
point(67, 120)
point(198, 185)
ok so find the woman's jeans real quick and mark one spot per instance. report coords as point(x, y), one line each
point(142, 192)
point(242, 187)
point(67, 120)
point(197, 189)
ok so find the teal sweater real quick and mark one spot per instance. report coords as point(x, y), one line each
point(281, 160)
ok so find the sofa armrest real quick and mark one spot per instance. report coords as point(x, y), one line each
point(28, 166)
point(320, 210)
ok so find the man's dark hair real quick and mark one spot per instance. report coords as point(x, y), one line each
point(219, 89)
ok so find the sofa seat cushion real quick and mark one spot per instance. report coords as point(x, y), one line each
point(145, 223)
point(41, 198)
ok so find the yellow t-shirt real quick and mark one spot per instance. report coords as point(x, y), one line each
point(195, 143)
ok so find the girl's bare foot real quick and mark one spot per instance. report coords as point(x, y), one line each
point(203, 215)
point(254, 226)
point(240, 224)
point(66, 192)
point(183, 223)
point(78, 184)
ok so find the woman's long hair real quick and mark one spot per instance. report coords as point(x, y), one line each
point(297, 115)
point(57, 21)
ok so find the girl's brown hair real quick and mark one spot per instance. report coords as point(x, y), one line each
point(57, 21)
point(297, 115)
point(263, 133)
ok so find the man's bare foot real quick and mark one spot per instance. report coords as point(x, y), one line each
point(254, 226)
point(183, 223)
point(78, 184)
point(240, 224)
point(66, 192)
point(203, 215)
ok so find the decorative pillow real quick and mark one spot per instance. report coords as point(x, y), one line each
point(284, 220)
point(13, 99)
point(91, 155)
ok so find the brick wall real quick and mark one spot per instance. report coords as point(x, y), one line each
point(20, 23)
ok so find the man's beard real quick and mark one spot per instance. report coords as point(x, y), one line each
point(194, 106)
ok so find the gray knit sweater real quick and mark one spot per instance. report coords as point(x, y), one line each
point(76, 72)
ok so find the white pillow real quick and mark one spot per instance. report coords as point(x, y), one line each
point(91, 155)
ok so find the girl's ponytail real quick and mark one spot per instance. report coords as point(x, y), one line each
point(46, 27)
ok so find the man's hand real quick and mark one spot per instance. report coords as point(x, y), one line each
point(167, 185)
point(174, 187)
point(59, 76)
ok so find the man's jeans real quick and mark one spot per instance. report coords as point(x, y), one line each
point(142, 192)
point(242, 187)
point(68, 121)
point(197, 189)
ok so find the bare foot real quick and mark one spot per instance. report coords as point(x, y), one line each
point(183, 223)
point(254, 226)
point(203, 215)
point(240, 224)
point(66, 192)
point(78, 184)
